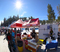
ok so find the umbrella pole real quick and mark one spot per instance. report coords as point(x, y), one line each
point(16, 34)
point(20, 32)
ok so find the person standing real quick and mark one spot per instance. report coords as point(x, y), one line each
point(51, 36)
point(51, 33)
point(58, 35)
point(18, 31)
point(6, 31)
point(5, 35)
point(9, 39)
point(13, 39)
point(34, 35)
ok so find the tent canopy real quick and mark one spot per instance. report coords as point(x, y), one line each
point(18, 23)
point(29, 23)
point(32, 23)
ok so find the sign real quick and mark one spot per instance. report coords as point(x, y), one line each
point(48, 27)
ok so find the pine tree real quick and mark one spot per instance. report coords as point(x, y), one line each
point(51, 14)
point(58, 9)
point(4, 21)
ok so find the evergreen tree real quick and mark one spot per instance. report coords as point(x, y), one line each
point(51, 14)
point(58, 9)
point(40, 21)
point(44, 21)
point(4, 21)
point(25, 18)
point(8, 21)
point(31, 17)
point(58, 20)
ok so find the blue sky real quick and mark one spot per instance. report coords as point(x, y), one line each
point(35, 8)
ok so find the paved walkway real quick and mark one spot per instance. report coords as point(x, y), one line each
point(3, 44)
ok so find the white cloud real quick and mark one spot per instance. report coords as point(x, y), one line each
point(23, 13)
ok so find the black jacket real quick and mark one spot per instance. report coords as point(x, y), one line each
point(33, 34)
point(9, 36)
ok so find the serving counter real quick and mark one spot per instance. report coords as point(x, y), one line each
point(32, 45)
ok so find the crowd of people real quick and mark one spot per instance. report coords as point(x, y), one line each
point(10, 37)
